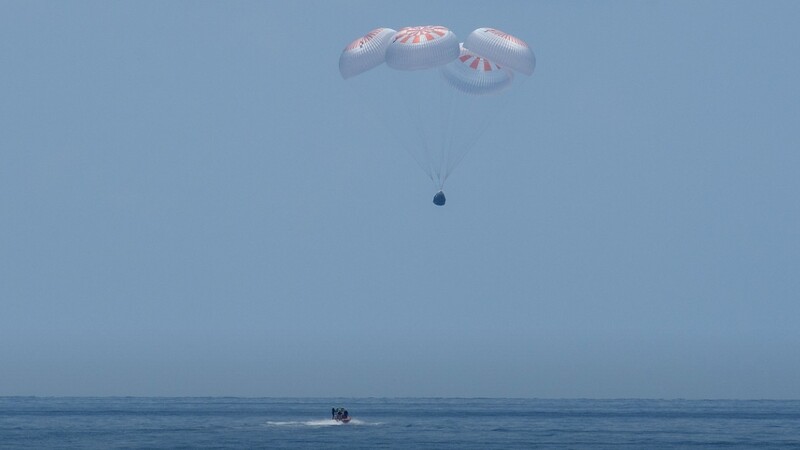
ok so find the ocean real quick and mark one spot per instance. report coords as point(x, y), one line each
point(419, 423)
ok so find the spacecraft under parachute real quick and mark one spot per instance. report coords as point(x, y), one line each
point(435, 94)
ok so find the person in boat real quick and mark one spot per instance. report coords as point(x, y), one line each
point(344, 414)
point(333, 413)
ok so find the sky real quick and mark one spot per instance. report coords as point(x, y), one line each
point(192, 205)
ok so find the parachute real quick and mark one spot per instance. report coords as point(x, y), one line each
point(435, 95)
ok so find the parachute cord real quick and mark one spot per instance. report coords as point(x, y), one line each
point(442, 122)
point(420, 129)
point(474, 136)
point(468, 146)
point(452, 158)
point(502, 113)
point(416, 113)
point(412, 103)
point(450, 155)
point(376, 109)
point(445, 144)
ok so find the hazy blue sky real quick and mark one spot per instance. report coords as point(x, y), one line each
point(186, 206)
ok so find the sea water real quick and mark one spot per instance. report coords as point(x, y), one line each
point(435, 423)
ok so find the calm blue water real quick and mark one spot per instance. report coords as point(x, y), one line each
point(30, 422)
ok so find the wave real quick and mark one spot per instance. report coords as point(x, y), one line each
point(318, 423)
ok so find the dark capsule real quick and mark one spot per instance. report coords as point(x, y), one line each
point(439, 199)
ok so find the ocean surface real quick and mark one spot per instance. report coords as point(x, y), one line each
point(435, 423)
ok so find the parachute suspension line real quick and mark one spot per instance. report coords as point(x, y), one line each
point(411, 101)
point(455, 158)
point(421, 134)
point(467, 146)
point(420, 117)
point(446, 101)
point(440, 143)
point(424, 163)
point(376, 111)
point(471, 137)
point(499, 115)
point(450, 141)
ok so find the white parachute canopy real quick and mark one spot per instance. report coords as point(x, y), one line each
point(418, 48)
point(502, 48)
point(436, 97)
point(476, 75)
point(366, 52)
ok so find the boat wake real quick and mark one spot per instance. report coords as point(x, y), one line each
point(319, 423)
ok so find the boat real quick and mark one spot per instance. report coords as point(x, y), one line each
point(340, 415)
